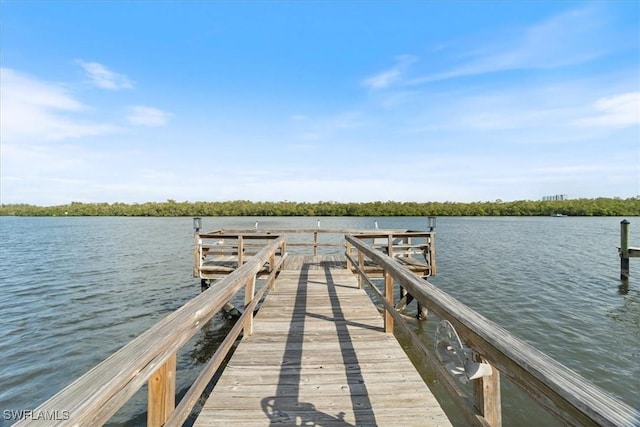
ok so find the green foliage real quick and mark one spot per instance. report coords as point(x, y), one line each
point(577, 207)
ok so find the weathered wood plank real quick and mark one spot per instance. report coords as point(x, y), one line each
point(311, 416)
point(319, 354)
point(303, 377)
point(329, 391)
point(241, 400)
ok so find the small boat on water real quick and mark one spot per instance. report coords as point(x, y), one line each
point(558, 215)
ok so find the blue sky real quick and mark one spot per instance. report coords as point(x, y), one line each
point(116, 101)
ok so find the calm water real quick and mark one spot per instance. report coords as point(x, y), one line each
point(75, 290)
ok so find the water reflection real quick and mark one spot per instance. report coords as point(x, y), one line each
point(623, 288)
point(628, 314)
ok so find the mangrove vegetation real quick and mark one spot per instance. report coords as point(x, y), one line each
point(573, 207)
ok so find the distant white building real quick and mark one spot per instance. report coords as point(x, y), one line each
point(555, 197)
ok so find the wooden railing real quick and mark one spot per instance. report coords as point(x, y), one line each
point(400, 244)
point(240, 245)
point(151, 357)
point(313, 233)
point(562, 392)
point(237, 243)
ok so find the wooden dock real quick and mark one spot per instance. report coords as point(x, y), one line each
point(319, 356)
point(320, 353)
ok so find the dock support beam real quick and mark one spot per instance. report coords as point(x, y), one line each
point(624, 250)
point(405, 299)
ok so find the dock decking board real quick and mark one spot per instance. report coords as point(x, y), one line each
point(319, 356)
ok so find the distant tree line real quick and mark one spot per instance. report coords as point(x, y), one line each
point(575, 207)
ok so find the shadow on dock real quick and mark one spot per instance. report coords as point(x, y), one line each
point(285, 407)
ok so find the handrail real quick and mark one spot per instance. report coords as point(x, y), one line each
point(561, 391)
point(277, 231)
point(256, 233)
point(237, 241)
point(96, 396)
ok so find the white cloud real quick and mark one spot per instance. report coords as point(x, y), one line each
point(33, 110)
point(48, 151)
point(614, 111)
point(18, 86)
point(146, 116)
point(569, 38)
point(104, 78)
point(391, 76)
point(562, 111)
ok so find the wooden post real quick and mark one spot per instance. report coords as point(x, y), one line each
point(361, 264)
point(248, 297)
point(272, 262)
point(388, 294)
point(272, 266)
point(432, 255)
point(624, 250)
point(240, 251)
point(348, 251)
point(197, 254)
point(315, 242)
point(487, 397)
point(161, 400)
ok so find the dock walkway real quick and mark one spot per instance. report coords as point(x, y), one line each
point(319, 356)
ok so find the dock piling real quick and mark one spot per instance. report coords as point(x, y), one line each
point(624, 250)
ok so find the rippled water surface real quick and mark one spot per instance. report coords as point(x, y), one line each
point(74, 290)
